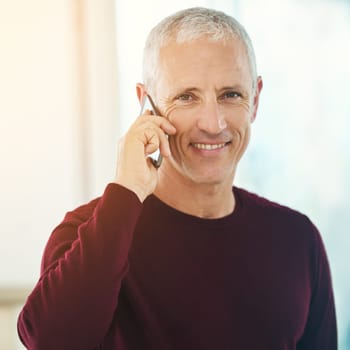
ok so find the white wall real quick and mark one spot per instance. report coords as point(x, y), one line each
point(58, 83)
point(38, 111)
point(58, 128)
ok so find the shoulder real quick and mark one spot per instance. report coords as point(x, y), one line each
point(276, 216)
point(254, 203)
point(283, 227)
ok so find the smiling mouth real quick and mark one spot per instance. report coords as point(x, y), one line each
point(209, 147)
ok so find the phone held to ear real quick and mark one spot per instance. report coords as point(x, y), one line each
point(148, 103)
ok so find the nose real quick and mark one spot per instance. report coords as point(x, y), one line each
point(211, 119)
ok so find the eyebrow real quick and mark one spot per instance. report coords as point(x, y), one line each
point(233, 87)
point(186, 89)
point(194, 88)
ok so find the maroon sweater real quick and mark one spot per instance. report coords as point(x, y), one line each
point(118, 274)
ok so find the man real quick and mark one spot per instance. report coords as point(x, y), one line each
point(174, 257)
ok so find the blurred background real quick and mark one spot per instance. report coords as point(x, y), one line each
point(68, 71)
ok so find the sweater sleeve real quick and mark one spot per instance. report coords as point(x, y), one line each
point(85, 260)
point(321, 329)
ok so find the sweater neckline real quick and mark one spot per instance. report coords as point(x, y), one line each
point(164, 210)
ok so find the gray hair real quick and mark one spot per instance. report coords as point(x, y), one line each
point(188, 25)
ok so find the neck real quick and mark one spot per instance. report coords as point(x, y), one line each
point(202, 200)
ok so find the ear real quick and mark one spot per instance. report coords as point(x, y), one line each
point(140, 92)
point(259, 86)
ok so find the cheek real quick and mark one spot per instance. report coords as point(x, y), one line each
point(168, 112)
point(245, 105)
point(182, 120)
point(239, 119)
point(184, 129)
point(241, 108)
point(239, 127)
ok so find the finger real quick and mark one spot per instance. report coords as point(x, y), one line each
point(164, 146)
point(160, 121)
point(154, 138)
point(151, 139)
point(167, 127)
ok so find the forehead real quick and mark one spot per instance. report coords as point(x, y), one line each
point(203, 61)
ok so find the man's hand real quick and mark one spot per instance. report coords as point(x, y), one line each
point(135, 170)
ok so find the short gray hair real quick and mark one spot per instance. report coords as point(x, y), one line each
point(188, 25)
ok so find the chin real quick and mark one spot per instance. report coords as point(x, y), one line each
point(203, 174)
point(213, 178)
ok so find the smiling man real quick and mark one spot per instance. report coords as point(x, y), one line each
point(175, 256)
point(206, 91)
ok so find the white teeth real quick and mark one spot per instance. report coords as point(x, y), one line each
point(208, 147)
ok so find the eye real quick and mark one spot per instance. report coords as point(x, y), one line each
point(231, 95)
point(185, 97)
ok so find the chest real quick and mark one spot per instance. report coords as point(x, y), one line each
point(202, 287)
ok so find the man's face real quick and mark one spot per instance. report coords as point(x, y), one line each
point(205, 90)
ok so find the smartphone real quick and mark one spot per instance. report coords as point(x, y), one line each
point(148, 103)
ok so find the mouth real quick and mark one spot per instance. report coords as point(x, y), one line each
point(209, 146)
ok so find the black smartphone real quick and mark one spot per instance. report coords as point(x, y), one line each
point(148, 103)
